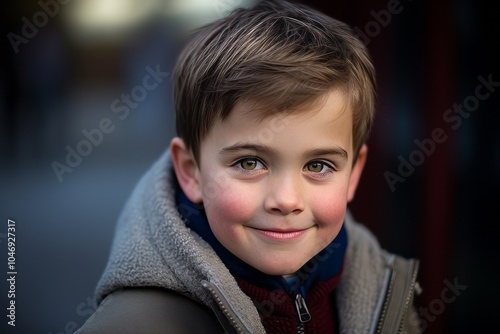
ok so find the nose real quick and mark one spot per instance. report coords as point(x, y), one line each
point(284, 195)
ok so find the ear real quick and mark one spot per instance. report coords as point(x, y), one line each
point(356, 172)
point(186, 169)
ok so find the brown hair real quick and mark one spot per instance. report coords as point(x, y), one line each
point(280, 54)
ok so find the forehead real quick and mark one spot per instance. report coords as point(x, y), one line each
point(325, 121)
point(335, 100)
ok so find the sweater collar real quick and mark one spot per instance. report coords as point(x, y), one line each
point(325, 265)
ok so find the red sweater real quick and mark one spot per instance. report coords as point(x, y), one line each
point(278, 313)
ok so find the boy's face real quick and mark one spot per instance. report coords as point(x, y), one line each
point(275, 190)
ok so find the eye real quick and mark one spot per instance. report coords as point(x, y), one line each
point(319, 167)
point(249, 164)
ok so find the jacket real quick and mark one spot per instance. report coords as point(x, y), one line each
point(161, 277)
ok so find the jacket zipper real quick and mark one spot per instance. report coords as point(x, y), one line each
point(384, 308)
point(405, 306)
point(225, 307)
point(407, 301)
point(302, 312)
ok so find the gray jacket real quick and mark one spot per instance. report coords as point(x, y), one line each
point(161, 277)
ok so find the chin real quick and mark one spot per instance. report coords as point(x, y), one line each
point(279, 270)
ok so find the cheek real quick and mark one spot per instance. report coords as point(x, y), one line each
point(230, 206)
point(329, 212)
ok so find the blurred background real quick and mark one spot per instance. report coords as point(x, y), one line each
point(80, 124)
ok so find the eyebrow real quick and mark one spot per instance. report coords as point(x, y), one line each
point(329, 151)
point(266, 149)
point(247, 147)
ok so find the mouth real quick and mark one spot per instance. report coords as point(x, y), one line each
point(281, 234)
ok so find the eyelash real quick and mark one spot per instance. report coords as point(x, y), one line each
point(237, 165)
point(330, 168)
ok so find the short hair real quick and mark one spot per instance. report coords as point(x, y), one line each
point(279, 54)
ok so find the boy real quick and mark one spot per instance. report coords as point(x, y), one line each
point(242, 226)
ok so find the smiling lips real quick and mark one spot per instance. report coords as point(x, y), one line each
point(281, 235)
